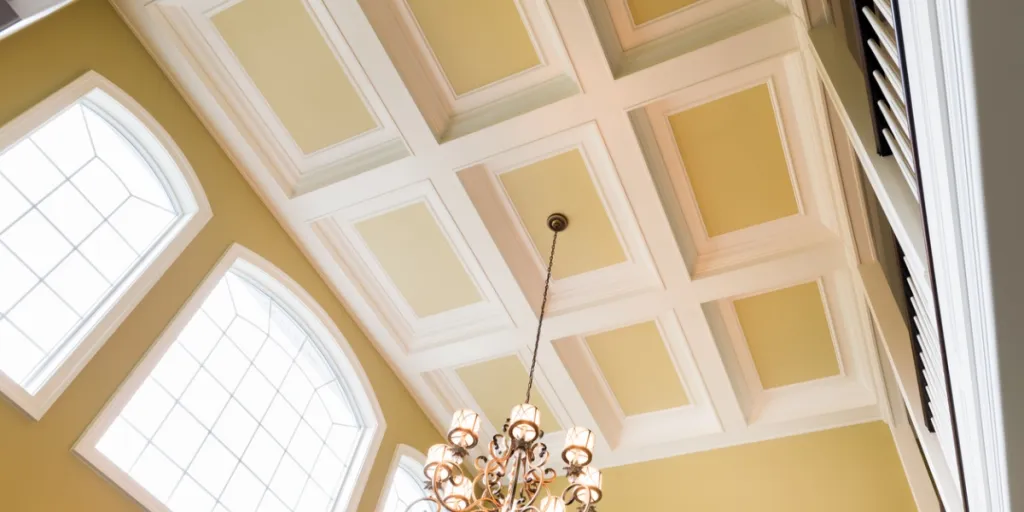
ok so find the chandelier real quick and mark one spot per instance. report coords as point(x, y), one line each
point(512, 476)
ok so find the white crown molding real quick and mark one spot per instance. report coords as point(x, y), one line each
point(454, 176)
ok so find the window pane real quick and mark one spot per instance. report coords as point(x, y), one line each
point(73, 225)
point(407, 486)
point(239, 415)
point(66, 141)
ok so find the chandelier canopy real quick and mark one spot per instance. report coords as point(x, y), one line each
point(513, 475)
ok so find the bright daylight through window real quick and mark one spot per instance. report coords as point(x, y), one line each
point(242, 412)
point(406, 488)
point(80, 209)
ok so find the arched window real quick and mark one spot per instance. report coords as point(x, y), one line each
point(249, 401)
point(405, 483)
point(95, 202)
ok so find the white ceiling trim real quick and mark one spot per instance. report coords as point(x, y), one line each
point(725, 54)
point(295, 170)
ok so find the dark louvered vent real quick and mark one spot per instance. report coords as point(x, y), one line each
point(886, 82)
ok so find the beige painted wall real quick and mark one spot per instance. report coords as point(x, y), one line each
point(854, 469)
point(38, 471)
point(850, 469)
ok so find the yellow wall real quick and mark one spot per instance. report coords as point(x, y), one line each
point(851, 469)
point(38, 471)
point(854, 469)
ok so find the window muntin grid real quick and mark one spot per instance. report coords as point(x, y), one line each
point(241, 413)
point(407, 487)
point(80, 208)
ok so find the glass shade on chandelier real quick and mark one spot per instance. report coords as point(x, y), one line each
point(465, 429)
point(511, 475)
point(524, 422)
point(552, 504)
point(457, 493)
point(441, 462)
point(579, 447)
point(589, 485)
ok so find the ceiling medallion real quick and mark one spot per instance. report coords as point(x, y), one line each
point(513, 476)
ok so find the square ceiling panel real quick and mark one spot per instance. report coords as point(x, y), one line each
point(419, 259)
point(284, 73)
point(469, 64)
point(638, 378)
point(476, 43)
point(601, 256)
point(499, 385)
point(643, 11)
point(563, 184)
point(405, 252)
point(737, 166)
point(788, 335)
point(795, 348)
point(735, 161)
point(280, 47)
point(637, 34)
point(638, 368)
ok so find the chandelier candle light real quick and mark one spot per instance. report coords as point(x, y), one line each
point(513, 476)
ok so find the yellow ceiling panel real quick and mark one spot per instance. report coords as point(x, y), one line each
point(563, 184)
point(282, 50)
point(419, 259)
point(638, 368)
point(735, 161)
point(788, 335)
point(647, 10)
point(476, 42)
point(499, 385)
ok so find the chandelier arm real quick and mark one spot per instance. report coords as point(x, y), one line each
point(436, 482)
point(540, 321)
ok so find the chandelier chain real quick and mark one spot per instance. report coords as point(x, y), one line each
point(513, 474)
point(540, 321)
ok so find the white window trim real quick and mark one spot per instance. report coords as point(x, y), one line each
point(154, 142)
point(283, 289)
point(402, 451)
point(941, 64)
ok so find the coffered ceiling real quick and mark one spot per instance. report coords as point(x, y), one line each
point(702, 295)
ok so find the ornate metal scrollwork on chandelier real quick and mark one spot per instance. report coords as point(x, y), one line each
point(513, 475)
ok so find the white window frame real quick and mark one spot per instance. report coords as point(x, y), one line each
point(154, 142)
point(287, 292)
point(402, 452)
